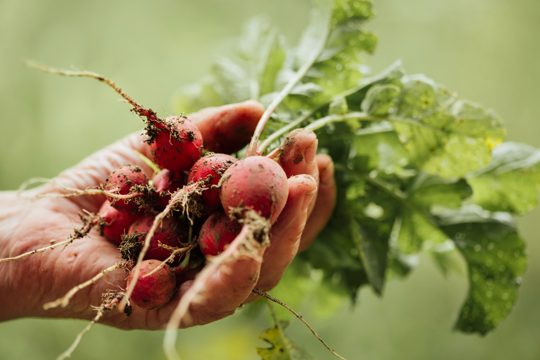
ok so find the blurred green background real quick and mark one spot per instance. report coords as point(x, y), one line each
point(487, 50)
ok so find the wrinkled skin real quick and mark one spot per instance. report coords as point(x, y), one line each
point(27, 224)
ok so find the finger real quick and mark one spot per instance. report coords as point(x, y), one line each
point(286, 232)
point(297, 154)
point(225, 291)
point(228, 128)
point(325, 203)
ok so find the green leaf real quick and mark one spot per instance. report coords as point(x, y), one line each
point(279, 346)
point(415, 227)
point(415, 230)
point(428, 191)
point(337, 64)
point(250, 73)
point(373, 254)
point(374, 213)
point(234, 82)
point(447, 259)
point(495, 257)
point(315, 35)
point(381, 150)
point(381, 100)
point(347, 10)
point(198, 96)
point(443, 135)
point(512, 180)
point(338, 257)
point(262, 53)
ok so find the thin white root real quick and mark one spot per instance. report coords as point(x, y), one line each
point(83, 73)
point(179, 200)
point(254, 238)
point(110, 300)
point(269, 297)
point(138, 109)
point(32, 182)
point(36, 251)
point(64, 300)
point(89, 221)
point(71, 192)
point(170, 258)
point(184, 198)
point(67, 354)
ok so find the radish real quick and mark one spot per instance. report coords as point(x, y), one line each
point(113, 223)
point(126, 180)
point(167, 237)
point(210, 169)
point(176, 143)
point(217, 232)
point(164, 184)
point(256, 183)
point(154, 288)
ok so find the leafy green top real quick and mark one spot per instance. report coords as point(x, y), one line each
point(417, 168)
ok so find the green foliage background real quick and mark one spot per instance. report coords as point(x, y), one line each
point(487, 50)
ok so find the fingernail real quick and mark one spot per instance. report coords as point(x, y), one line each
point(310, 152)
point(310, 186)
point(326, 173)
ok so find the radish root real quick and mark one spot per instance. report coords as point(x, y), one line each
point(89, 221)
point(30, 183)
point(269, 297)
point(64, 300)
point(109, 302)
point(171, 258)
point(138, 109)
point(72, 192)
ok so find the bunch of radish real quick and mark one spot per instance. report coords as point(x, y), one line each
point(168, 225)
point(188, 211)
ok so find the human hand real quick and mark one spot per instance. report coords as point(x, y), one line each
point(26, 224)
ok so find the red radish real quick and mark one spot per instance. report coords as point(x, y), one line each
point(217, 232)
point(176, 143)
point(256, 183)
point(165, 183)
point(210, 168)
point(124, 181)
point(114, 223)
point(155, 290)
point(167, 233)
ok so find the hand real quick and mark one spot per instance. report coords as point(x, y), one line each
point(27, 284)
